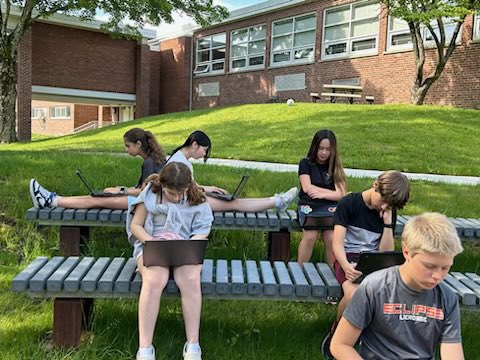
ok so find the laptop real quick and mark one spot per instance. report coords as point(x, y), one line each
point(95, 193)
point(174, 252)
point(230, 197)
point(373, 261)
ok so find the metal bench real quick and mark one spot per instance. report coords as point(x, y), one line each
point(74, 281)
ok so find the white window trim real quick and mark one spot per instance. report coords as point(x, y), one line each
point(210, 62)
point(349, 40)
point(476, 26)
point(424, 31)
point(59, 117)
point(45, 111)
point(248, 56)
point(292, 50)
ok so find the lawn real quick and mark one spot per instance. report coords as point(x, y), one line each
point(430, 139)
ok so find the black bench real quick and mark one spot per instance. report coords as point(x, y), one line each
point(73, 282)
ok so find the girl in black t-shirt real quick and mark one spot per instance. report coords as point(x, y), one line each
point(322, 184)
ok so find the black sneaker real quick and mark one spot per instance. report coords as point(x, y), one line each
point(41, 197)
point(325, 347)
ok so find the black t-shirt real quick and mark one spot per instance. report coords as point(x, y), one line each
point(149, 167)
point(320, 177)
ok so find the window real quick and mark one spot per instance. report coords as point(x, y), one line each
point(210, 54)
point(209, 89)
point(39, 113)
point(351, 30)
point(476, 24)
point(60, 112)
point(247, 50)
point(293, 40)
point(399, 33)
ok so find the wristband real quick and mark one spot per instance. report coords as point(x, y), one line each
point(124, 190)
point(388, 226)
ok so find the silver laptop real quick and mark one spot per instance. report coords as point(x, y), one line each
point(174, 252)
point(236, 193)
point(95, 193)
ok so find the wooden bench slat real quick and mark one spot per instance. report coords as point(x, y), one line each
point(217, 218)
point(251, 219)
point(32, 214)
point(45, 215)
point(467, 228)
point(104, 215)
point(206, 279)
point(238, 280)
point(92, 214)
point(468, 296)
point(56, 280)
point(334, 290)
point(473, 276)
point(22, 280)
point(302, 289)
point(229, 218)
point(105, 284)
point(68, 214)
point(39, 280)
point(72, 282)
point(318, 286)
point(81, 214)
point(116, 215)
point(122, 284)
point(270, 286)
point(136, 284)
point(272, 218)
point(57, 213)
point(343, 95)
point(284, 280)
point(240, 219)
point(254, 286)
point(222, 285)
point(89, 282)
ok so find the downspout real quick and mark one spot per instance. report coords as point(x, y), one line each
point(191, 75)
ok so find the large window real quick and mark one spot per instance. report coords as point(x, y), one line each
point(476, 24)
point(351, 30)
point(59, 112)
point(247, 49)
point(210, 54)
point(293, 40)
point(399, 34)
point(39, 113)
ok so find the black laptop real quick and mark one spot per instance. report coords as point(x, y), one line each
point(230, 197)
point(95, 193)
point(174, 252)
point(377, 260)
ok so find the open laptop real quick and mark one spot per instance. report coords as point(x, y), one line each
point(373, 261)
point(95, 193)
point(174, 252)
point(230, 197)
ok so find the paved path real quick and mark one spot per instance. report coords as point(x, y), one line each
point(448, 179)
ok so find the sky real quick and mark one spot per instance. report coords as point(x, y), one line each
point(182, 21)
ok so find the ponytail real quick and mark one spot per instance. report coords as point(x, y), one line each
point(150, 145)
point(201, 139)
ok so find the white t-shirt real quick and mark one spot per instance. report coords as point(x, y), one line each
point(181, 158)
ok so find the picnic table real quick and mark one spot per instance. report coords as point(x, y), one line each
point(349, 92)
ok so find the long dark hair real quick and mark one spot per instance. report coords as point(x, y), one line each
point(177, 176)
point(150, 145)
point(335, 166)
point(201, 139)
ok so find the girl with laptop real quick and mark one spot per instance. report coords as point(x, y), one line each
point(138, 142)
point(322, 184)
point(197, 146)
point(171, 196)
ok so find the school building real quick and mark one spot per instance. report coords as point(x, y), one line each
point(288, 49)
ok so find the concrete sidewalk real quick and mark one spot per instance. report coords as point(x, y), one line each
point(258, 165)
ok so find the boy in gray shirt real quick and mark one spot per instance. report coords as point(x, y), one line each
point(405, 311)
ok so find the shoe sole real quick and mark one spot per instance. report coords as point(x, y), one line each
point(32, 194)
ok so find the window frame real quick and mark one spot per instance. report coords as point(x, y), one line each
point(247, 57)
point(55, 108)
point(43, 109)
point(293, 48)
point(207, 66)
point(349, 40)
point(476, 27)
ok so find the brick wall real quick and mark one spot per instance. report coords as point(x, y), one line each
point(175, 72)
point(154, 82)
point(142, 81)
point(84, 114)
point(387, 76)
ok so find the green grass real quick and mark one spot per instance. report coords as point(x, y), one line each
point(429, 139)
point(230, 329)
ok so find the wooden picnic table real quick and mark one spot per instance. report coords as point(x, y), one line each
point(349, 92)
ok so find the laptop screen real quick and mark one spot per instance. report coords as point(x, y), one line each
point(241, 185)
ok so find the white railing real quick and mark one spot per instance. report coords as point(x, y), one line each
point(88, 126)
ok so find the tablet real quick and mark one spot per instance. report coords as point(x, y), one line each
point(174, 252)
point(373, 261)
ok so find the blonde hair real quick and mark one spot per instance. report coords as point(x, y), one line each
point(394, 188)
point(431, 233)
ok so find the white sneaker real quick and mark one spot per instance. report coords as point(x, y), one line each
point(191, 356)
point(41, 197)
point(287, 198)
point(146, 353)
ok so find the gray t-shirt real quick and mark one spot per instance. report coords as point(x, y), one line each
point(401, 323)
point(181, 158)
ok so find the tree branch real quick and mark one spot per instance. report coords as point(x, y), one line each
point(7, 15)
point(24, 21)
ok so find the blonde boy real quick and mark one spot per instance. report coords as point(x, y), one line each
point(405, 311)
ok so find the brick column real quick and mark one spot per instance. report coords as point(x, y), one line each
point(142, 83)
point(24, 87)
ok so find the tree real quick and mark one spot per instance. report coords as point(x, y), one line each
point(138, 13)
point(433, 16)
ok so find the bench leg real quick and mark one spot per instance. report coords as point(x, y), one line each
point(279, 246)
point(71, 239)
point(70, 317)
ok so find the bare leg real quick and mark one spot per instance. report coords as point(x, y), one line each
point(327, 236)
point(187, 278)
point(247, 205)
point(89, 202)
point(154, 280)
point(306, 245)
point(349, 289)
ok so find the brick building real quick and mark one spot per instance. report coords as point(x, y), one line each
point(291, 48)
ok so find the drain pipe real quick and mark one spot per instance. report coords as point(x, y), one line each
point(191, 75)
